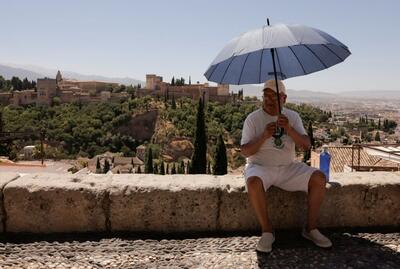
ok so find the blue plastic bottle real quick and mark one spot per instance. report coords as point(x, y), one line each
point(324, 161)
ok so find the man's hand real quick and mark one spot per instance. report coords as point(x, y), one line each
point(283, 122)
point(269, 130)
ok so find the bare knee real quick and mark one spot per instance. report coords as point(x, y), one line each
point(317, 180)
point(254, 183)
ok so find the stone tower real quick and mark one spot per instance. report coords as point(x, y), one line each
point(58, 77)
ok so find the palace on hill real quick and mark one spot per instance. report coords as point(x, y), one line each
point(70, 90)
point(156, 87)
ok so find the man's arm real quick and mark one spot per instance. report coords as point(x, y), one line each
point(254, 145)
point(301, 141)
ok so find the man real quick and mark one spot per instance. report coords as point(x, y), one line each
point(272, 163)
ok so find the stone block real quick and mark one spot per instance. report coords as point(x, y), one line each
point(362, 199)
point(286, 209)
point(47, 203)
point(5, 178)
point(170, 203)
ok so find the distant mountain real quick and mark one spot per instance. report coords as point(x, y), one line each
point(8, 72)
point(381, 94)
point(315, 96)
point(34, 72)
point(252, 90)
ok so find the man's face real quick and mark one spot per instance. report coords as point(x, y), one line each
point(270, 100)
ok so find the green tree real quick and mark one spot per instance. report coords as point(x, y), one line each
point(155, 169)
point(98, 167)
point(2, 83)
point(173, 81)
point(199, 158)
point(377, 136)
point(181, 169)
point(16, 84)
point(173, 169)
point(173, 106)
point(106, 166)
point(149, 167)
point(162, 168)
point(307, 153)
point(220, 159)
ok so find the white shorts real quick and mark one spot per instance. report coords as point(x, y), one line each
point(292, 177)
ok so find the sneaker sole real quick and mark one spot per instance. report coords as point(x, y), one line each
point(265, 250)
point(317, 244)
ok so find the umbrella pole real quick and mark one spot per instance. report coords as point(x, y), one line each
point(279, 131)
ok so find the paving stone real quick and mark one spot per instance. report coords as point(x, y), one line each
point(350, 250)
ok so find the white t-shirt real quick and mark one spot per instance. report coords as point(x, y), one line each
point(268, 155)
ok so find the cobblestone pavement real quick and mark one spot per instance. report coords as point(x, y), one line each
point(350, 250)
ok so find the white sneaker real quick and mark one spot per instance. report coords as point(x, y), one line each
point(265, 242)
point(318, 238)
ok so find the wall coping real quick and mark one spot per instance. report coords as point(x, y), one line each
point(49, 202)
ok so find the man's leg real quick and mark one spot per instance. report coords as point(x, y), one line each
point(316, 194)
point(258, 200)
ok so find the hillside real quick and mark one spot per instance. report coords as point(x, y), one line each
point(73, 130)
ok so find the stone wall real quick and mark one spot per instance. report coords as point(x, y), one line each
point(46, 203)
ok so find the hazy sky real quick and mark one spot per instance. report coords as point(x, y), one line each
point(181, 38)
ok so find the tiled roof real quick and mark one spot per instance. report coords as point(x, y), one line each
point(342, 155)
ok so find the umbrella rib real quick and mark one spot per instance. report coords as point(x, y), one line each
point(279, 62)
point(297, 58)
point(215, 67)
point(226, 70)
point(244, 64)
point(316, 56)
point(261, 58)
point(334, 53)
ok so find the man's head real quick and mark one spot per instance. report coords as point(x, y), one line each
point(270, 98)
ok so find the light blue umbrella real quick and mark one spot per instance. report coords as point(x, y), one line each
point(275, 51)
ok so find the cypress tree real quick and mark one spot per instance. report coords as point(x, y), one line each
point(138, 171)
point(98, 167)
point(162, 168)
point(173, 106)
point(221, 161)
point(377, 136)
point(199, 161)
point(148, 169)
point(307, 153)
point(379, 124)
point(173, 169)
point(106, 166)
point(1, 120)
point(182, 168)
point(311, 135)
point(155, 169)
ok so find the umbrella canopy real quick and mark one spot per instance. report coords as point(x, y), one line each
point(299, 50)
